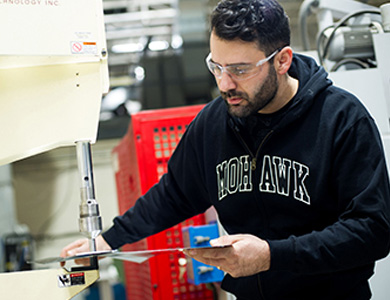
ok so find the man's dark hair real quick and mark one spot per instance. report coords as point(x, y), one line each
point(261, 21)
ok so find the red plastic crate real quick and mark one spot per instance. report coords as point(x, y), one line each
point(141, 159)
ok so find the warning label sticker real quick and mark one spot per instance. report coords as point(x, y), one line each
point(83, 48)
point(68, 280)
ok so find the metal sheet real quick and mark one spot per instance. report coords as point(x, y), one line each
point(133, 256)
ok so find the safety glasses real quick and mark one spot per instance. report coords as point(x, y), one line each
point(238, 71)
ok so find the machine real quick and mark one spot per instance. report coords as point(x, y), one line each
point(53, 73)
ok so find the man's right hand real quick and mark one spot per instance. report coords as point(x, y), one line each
point(81, 246)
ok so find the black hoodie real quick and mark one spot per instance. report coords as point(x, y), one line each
point(315, 186)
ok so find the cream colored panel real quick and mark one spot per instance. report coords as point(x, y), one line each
point(43, 27)
point(50, 284)
point(46, 107)
point(53, 73)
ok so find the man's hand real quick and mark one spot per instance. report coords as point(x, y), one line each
point(248, 255)
point(81, 246)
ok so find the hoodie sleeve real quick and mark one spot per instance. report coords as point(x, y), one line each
point(361, 234)
point(180, 194)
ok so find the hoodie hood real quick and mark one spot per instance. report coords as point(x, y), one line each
point(312, 78)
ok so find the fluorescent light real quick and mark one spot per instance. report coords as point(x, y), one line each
point(127, 48)
point(177, 41)
point(139, 73)
point(158, 45)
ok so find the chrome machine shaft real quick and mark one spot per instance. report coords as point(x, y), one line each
point(90, 222)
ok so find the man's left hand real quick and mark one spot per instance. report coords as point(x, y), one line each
point(248, 255)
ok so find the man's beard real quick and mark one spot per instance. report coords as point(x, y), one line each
point(264, 95)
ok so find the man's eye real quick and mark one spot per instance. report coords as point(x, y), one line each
point(239, 70)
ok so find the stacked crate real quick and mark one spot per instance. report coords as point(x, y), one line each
point(140, 160)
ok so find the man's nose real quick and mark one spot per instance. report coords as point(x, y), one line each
point(226, 82)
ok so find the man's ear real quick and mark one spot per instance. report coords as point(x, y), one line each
point(283, 60)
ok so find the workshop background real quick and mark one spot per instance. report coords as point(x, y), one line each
point(156, 60)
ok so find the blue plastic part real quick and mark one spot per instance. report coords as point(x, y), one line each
point(200, 236)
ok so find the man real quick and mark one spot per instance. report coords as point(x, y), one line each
point(293, 165)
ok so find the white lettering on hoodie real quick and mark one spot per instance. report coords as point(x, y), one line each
point(278, 176)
